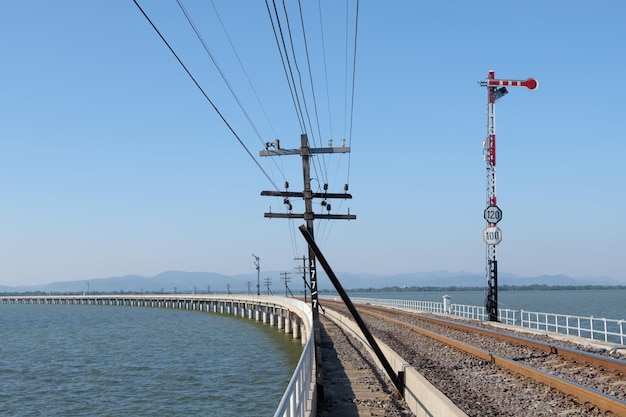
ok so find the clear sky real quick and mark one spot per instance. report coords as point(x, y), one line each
point(112, 161)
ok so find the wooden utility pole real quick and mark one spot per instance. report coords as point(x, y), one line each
point(257, 264)
point(306, 284)
point(286, 279)
point(268, 282)
point(308, 195)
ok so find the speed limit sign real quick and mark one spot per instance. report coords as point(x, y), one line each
point(493, 214)
point(492, 235)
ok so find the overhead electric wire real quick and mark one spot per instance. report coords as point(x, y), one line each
point(232, 46)
point(287, 51)
point(300, 99)
point(228, 84)
point(277, 28)
point(295, 63)
point(286, 65)
point(326, 229)
point(354, 55)
point(356, 33)
point(308, 60)
point(322, 172)
point(345, 77)
point(310, 135)
point(330, 119)
point(219, 69)
point(204, 94)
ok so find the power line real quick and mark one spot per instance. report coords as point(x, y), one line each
point(330, 120)
point(224, 78)
point(292, 70)
point(356, 32)
point(219, 69)
point(204, 94)
point(285, 41)
point(285, 61)
point(308, 60)
point(244, 69)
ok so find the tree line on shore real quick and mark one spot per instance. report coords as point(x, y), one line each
point(533, 287)
point(393, 289)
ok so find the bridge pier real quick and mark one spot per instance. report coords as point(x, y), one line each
point(287, 325)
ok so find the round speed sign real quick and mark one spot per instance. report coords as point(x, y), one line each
point(493, 214)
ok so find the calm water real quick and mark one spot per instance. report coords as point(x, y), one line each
point(60, 360)
point(609, 304)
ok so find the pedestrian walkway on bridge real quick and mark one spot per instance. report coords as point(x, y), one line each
point(353, 385)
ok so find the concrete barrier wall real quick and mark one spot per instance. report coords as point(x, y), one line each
point(420, 395)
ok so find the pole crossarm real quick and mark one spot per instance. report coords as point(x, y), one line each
point(279, 152)
point(315, 216)
point(301, 194)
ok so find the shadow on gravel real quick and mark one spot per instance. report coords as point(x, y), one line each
point(340, 399)
point(338, 394)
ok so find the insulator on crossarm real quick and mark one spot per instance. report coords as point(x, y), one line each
point(324, 203)
point(325, 186)
point(328, 207)
point(286, 184)
point(285, 201)
point(345, 187)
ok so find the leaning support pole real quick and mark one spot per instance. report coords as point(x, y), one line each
point(355, 314)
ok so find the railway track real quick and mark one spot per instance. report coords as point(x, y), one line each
point(589, 383)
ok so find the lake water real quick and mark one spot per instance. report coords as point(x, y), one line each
point(64, 360)
point(609, 304)
point(119, 361)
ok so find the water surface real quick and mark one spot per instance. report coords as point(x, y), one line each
point(62, 360)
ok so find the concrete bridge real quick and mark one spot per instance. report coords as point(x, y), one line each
point(287, 314)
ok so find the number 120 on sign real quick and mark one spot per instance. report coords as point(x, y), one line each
point(493, 214)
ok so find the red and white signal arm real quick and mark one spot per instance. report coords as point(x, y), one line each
point(492, 235)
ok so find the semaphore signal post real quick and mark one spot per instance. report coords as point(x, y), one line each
point(492, 235)
point(274, 149)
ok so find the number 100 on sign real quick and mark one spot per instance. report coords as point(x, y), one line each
point(492, 235)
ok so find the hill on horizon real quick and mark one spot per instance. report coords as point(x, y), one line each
point(204, 282)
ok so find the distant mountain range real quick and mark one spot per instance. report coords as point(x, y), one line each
point(203, 282)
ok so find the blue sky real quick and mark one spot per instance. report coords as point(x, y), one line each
point(112, 162)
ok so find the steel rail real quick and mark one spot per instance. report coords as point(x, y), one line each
point(597, 361)
point(581, 394)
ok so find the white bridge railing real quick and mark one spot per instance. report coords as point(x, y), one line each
point(295, 401)
point(592, 328)
point(300, 395)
